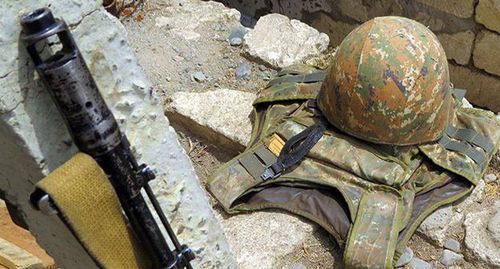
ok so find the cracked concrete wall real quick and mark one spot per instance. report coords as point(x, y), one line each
point(34, 139)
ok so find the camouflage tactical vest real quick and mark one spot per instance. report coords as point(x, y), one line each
point(370, 197)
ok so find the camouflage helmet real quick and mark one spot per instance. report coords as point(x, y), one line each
point(388, 84)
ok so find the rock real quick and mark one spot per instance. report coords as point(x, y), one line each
point(194, 14)
point(243, 71)
point(479, 243)
point(298, 266)
point(487, 52)
point(435, 23)
point(490, 178)
point(235, 41)
point(265, 75)
point(476, 195)
point(359, 10)
point(417, 263)
point(278, 235)
point(494, 228)
point(199, 76)
point(281, 42)
point(458, 46)
point(466, 103)
point(434, 227)
point(405, 258)
point(34, 139)
point(482, 90)
point(459, 8)
point(336, 30)
point(449, 257)
point(238, 31)
point(488, 13)
point(220, 116)
point(248, 21)
point(452, 245)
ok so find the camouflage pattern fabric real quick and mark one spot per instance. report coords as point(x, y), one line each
point(389, 84)
point(387, 190)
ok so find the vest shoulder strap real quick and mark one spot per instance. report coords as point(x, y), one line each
point(297, 82)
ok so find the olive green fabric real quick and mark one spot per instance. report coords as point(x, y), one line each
point(370, 197)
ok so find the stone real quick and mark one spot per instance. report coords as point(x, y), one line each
point(194, 14)
point(287, 232)
point(449, 257)
point(298, 266)
point(221, 116)
point(488, 13)
point(199, 76)
point(34, 139)
point(487, 52)
point(466, 103)
point(362, 11)
point(435, 23)
point(479, 243)
point(476, 195)
point(458, 46)
point(452, 245)
point(336, 30)
point(434, 227)
point(238, 32)
point(235, 41)
point(265, 75)
point(459, 8)
point(405, 258)
point(417, 263)
point(243, 71)
point(494, 228)
point(281, 42)
point(489, 178)
point(482, 90)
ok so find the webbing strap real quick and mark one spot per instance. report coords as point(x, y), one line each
point(464, 148)
point(373, 237)
point(257, 161)
point(288, 72)
point(295, 149)
point(470, 136)
point(301, 78)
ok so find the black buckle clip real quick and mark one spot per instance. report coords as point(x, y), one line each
point(273, 171)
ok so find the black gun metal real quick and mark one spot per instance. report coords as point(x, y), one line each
point(96, 132)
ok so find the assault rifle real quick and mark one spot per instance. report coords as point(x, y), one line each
point(96, 132)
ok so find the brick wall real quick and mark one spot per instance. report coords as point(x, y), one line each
point(468, 29)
